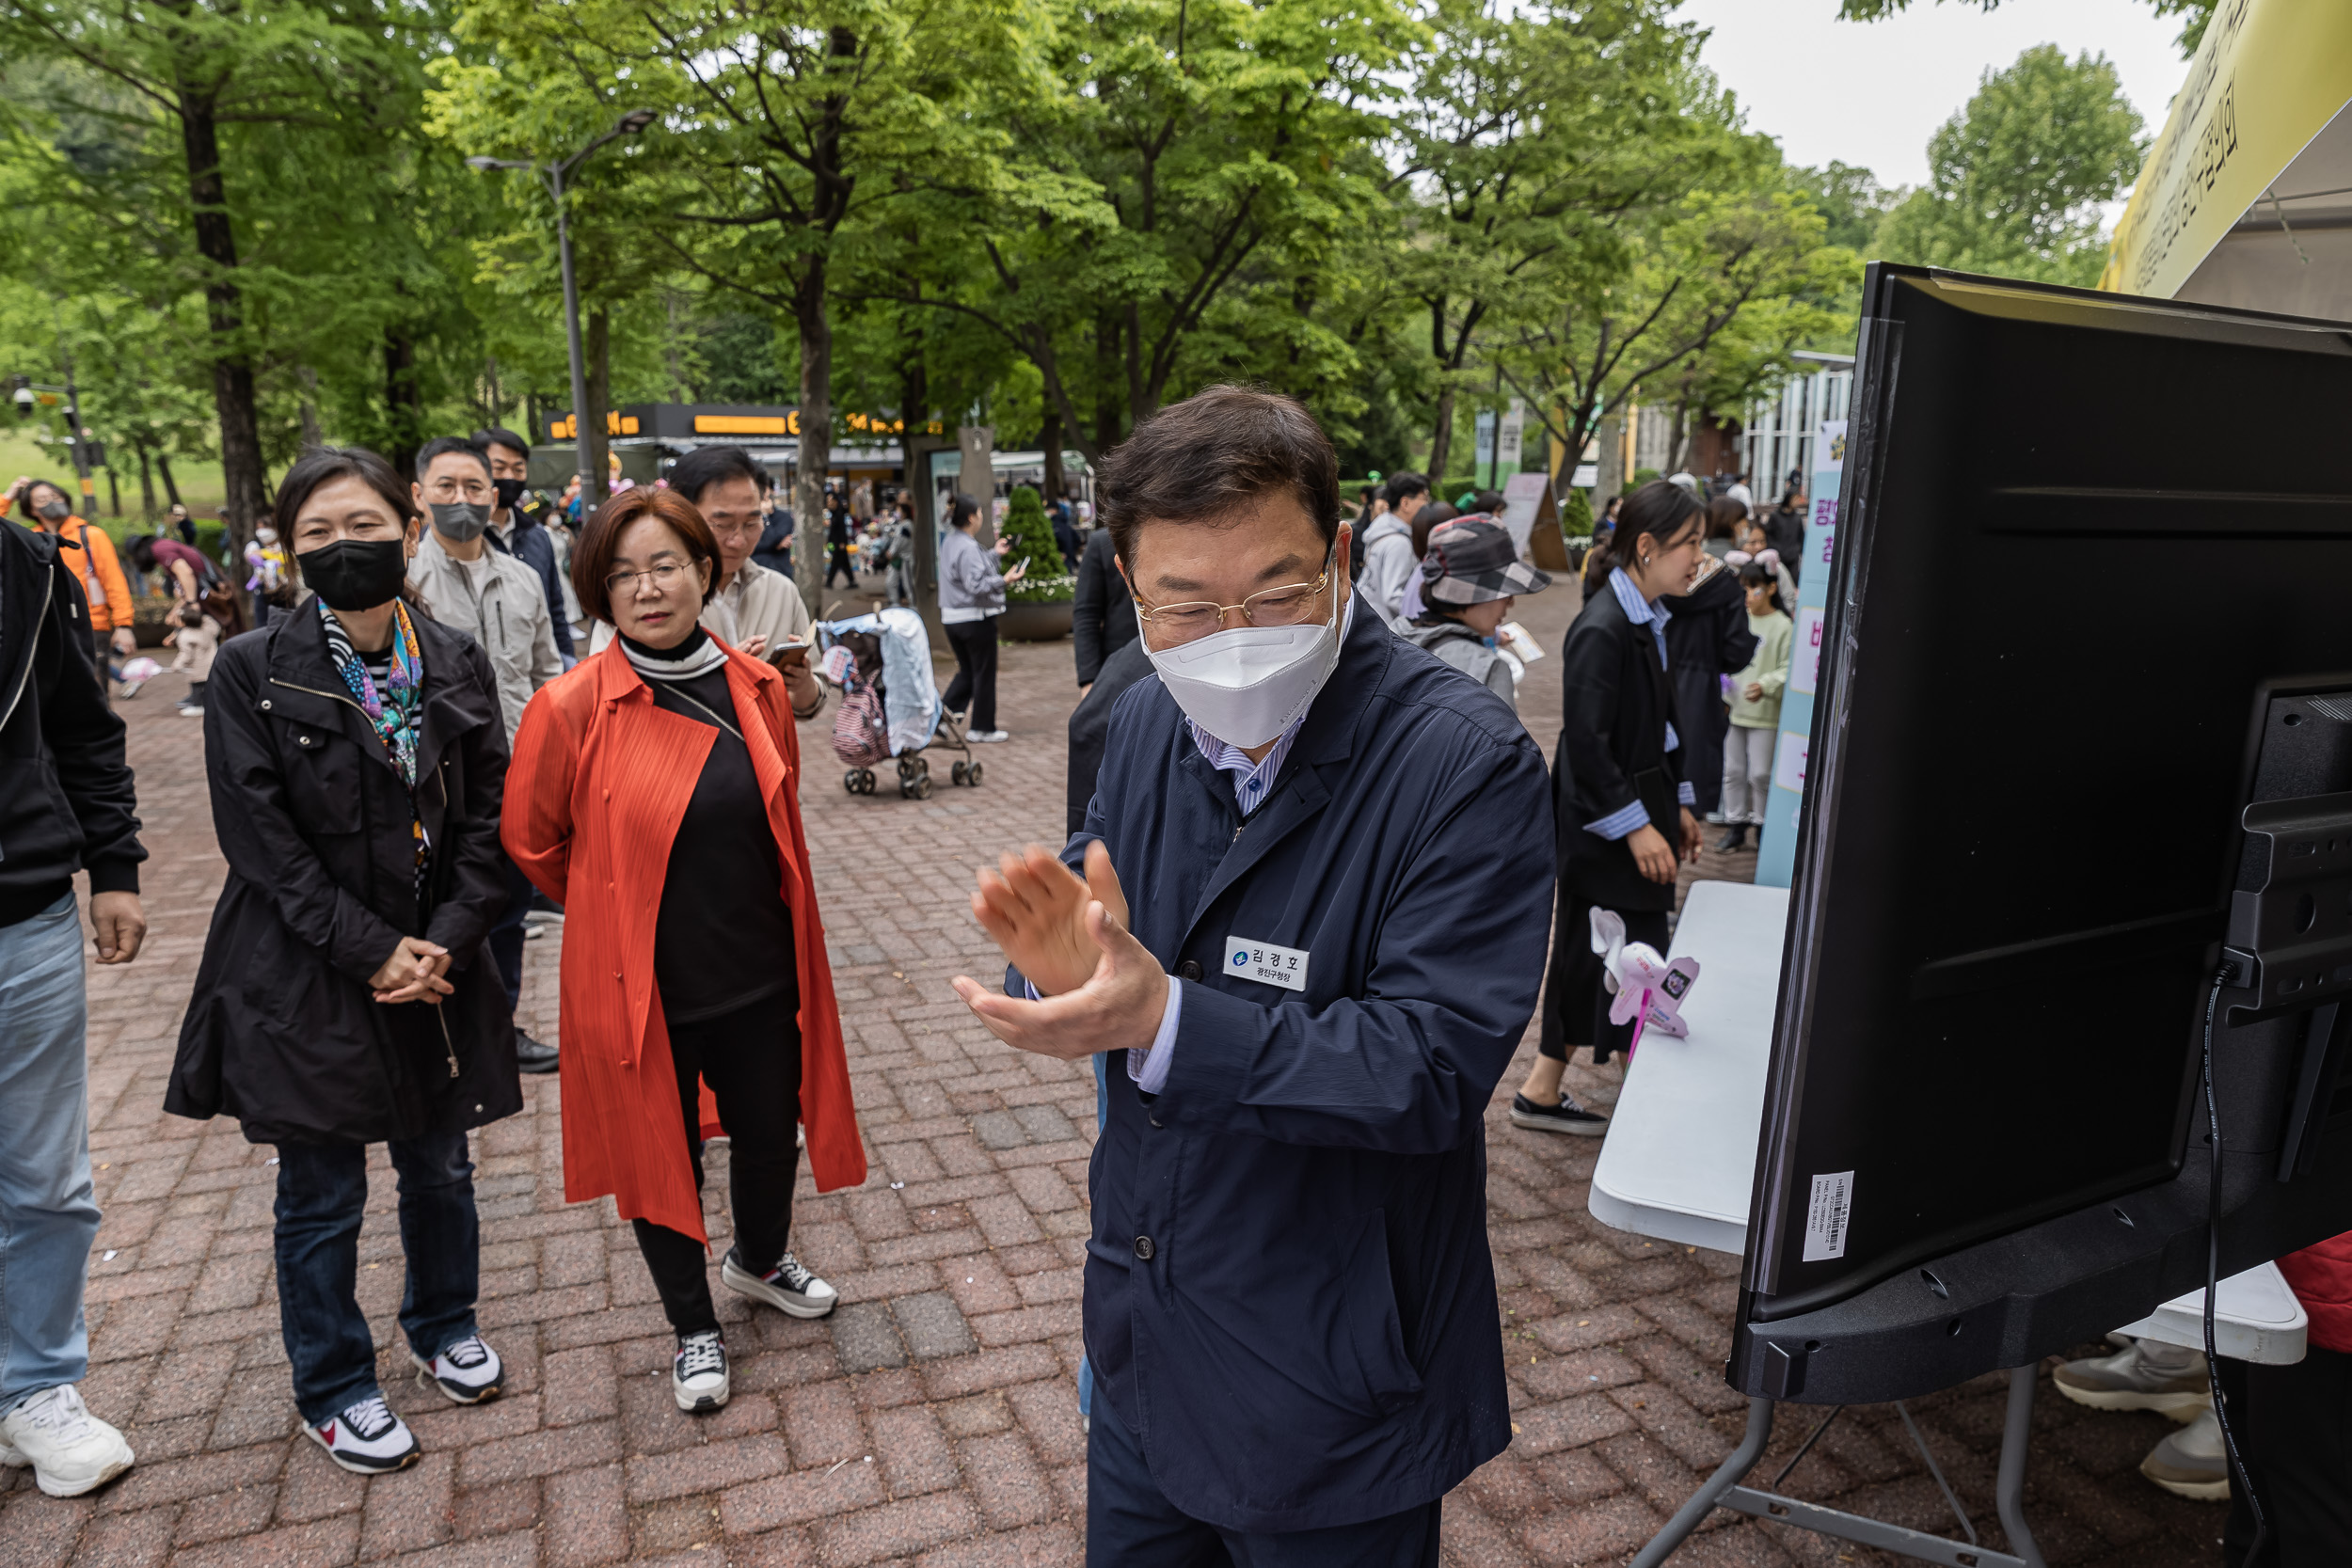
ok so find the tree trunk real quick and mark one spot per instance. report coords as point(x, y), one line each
point(668, 347)
point(814, 323)
point(1050, 438)
point(596, 483)
point(114, 491)
point(233, 402)
point(1106, 400)
point(172, 491)
point(916, 443)
point(1441, 440)
point(403, 404)
point(147, 485)
point(312, 436)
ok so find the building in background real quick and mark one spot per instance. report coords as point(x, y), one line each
point(1778, 439)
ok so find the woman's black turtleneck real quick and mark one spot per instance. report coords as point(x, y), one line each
point(723, 937)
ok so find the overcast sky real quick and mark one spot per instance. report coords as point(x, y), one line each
point(1871, 93)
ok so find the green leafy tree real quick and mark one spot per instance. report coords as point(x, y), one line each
point(1180, 178)
point(2017, 176)
point(221, 125)
point(1550, 146)
point(1048, 580)
point(2195, 15)
point(1850, 200)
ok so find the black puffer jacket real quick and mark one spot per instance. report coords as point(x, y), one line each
point(283, 1032)
point(65, 794)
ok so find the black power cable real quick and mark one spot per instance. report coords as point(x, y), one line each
point(2227, 973)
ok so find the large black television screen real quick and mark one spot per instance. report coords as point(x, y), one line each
point(2087, 538)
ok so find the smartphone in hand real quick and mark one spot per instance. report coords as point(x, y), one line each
point(789, 650)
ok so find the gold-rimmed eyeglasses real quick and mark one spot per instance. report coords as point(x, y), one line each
point(1171, 625)
point(664, 577)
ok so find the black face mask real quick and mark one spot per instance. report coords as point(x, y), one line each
point(355, 574)
point(509, 491)
point(55, 510)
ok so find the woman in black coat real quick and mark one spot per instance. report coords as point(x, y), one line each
point(1619, 786)
point(357, 757)
point(1706, 638)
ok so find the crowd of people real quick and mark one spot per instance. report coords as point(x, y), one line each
point(1296, 739)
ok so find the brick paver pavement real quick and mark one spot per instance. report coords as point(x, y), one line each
point(932, 1419)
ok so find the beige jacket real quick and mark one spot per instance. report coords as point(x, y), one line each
point(503, 604)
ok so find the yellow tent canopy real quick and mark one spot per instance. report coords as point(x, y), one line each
point(2246, 199)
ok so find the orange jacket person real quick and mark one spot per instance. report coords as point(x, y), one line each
point(655, 795)
point(51, 511)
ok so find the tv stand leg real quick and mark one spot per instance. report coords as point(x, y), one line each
point(2009, 1494)
point(1727, 1476)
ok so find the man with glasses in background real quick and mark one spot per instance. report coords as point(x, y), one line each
point(518, 524)
point(496, 599)
point(1342, 855)
point(756, 610)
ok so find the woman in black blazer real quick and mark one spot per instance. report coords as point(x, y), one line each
point(1619, 786)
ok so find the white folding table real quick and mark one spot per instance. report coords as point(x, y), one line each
point(1680, 1164)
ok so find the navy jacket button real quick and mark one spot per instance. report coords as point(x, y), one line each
point(1143, 1248)
point(1187, 971)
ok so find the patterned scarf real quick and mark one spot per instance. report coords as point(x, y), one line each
point(395, 709)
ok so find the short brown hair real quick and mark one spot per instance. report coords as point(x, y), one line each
point(592, 559)
point(1213, 452)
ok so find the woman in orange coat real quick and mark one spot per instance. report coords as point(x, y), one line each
point(654, 794)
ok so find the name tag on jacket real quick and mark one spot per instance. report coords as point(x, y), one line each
point(1265, 963)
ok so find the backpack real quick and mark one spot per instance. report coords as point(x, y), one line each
point(861, 730)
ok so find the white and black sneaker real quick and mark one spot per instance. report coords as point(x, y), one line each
point(788, 1286)
point(367, 1438)
point(1567, 1116)
point(698, 1374)
point(467, 1371)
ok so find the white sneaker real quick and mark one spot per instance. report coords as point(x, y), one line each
point(699, 1373)
point(2126, 1381)
point(788, 1286)
point(71, 1450)
point(367, 1438)
point(2191, 1463)
point(467, 1371)
point(987, 737)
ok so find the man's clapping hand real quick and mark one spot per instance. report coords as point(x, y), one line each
point(1034, 909)
point(1102, 989)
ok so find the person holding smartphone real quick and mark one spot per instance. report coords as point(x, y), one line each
point(1619, 786)
point(971, 596)
point(755, 609)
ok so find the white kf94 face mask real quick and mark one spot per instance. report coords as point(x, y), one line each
point(1245, 686)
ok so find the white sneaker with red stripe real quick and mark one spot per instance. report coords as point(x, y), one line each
point(467, 1371)
point(367, 1438)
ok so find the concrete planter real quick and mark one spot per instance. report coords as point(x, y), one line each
point(1034, 622)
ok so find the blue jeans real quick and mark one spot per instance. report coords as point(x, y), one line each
point(322, 1191)
point(48, 1215)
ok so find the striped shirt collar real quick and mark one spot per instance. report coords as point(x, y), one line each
point(1639, 610)
point(1252, 781)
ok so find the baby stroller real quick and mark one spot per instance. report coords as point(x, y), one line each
point(889, 703)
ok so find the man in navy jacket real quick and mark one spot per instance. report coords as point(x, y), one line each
point(1316, 954)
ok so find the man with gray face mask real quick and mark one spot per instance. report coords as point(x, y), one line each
point(499, 599)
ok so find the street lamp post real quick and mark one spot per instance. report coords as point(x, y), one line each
point(552, 175)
